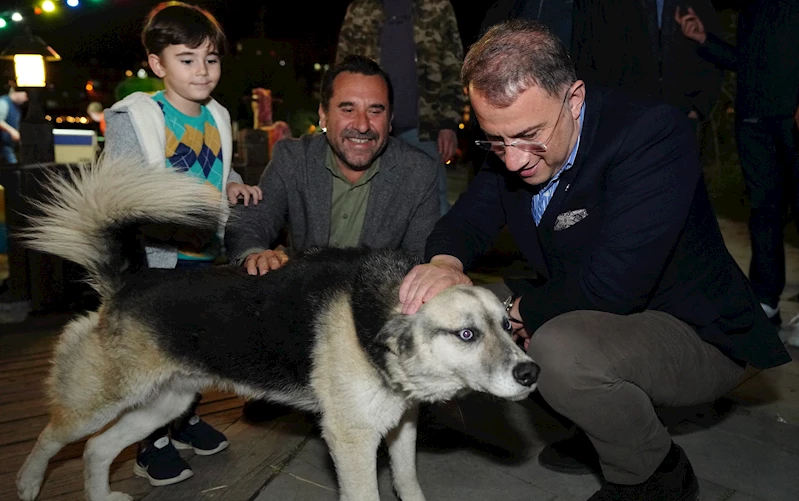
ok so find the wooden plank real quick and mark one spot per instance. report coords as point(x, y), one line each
point(257, 453)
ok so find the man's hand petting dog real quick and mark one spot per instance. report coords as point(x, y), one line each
point(262, 263)
point(426, 280)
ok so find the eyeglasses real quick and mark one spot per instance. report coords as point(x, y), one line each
point(523, 145)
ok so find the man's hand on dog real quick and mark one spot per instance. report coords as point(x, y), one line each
point(246, 192)
point(263, 262)
point(426, 280)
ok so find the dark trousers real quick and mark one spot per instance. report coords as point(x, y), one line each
point(767, 149)
point(607, 372)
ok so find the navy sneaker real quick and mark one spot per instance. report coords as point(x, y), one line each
point(200, 436)
point(161, 464)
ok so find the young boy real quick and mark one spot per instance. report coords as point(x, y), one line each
point(184, 128)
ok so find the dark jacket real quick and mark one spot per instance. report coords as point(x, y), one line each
point(649, 239)
point(766, 58)
point(618, 43)
point(298, 189)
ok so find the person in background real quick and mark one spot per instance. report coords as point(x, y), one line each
point(10, 119)
point(766, 107)
point(95, 110)
point(418, 43)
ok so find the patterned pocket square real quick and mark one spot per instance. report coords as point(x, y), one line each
point(570, 218)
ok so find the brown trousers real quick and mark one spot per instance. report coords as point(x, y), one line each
point(606, 373)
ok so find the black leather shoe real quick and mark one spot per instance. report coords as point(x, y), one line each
point(575, 455)
point(674, 480)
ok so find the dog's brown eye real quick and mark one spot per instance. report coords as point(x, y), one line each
point(506, 325)
point(466, 334)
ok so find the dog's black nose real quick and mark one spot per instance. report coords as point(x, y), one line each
point(526, 373)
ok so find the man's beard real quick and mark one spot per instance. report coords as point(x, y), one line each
point(350, 134)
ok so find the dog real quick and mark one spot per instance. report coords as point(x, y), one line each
point(324, 333)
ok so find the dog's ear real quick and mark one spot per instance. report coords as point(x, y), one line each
point(398, 333)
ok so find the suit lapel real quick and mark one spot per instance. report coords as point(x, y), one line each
point(593, 102)
point(530, 248)
point(381, 190)
point(320, 192)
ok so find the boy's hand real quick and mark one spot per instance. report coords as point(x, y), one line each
point(245, 191)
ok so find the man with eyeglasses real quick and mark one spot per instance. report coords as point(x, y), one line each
point(639, 303)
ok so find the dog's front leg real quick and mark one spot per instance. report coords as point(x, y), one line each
point(402, 449)
point(354, 452)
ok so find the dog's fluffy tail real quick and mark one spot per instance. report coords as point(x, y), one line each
point(93, 214)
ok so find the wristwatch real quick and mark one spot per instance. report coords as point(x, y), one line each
point(508, 304)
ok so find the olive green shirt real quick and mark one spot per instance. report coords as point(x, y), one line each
point(348, 206)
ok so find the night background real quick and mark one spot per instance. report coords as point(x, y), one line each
point(99, 41)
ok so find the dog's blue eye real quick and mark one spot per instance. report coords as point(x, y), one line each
point(466, 334)
point(506, 325)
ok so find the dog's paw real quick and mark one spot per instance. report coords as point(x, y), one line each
point(119, 496)
point(28, 489)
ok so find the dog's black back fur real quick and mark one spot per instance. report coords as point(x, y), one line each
point(259, 329)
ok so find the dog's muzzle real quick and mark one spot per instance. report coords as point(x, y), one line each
point(526, 373)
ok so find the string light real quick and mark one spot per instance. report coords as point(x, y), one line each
point(38, 7)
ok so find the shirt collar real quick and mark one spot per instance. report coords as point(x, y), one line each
point(332, 166)
point(572, 155)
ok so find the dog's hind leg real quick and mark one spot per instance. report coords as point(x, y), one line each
point(133, 426)
point(402, 450)
point(354, 452)
point(64, 428)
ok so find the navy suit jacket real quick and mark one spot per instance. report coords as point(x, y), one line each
point(629, 228)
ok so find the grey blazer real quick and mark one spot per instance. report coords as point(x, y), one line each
point(298, 190)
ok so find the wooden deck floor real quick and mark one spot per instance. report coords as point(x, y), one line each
point(24, 365)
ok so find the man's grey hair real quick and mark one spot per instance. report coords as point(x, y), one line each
point(512, 57)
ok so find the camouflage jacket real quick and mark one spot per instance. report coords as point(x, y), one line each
point(439, 56)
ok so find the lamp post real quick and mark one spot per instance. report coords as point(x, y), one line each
point(29, 53)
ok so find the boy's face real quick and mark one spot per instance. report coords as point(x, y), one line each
point(189, 75)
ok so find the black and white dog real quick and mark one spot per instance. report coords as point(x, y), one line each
point(324, 333)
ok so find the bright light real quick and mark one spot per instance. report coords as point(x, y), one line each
point(30, 70)
point(73, 3)
point(3, 23)
point(48, 117)
point(89, 87)
point(142, 73)
point(282, 63)
point(317, 66)
point(48, 6)
point(128, 73)
point(16, 17)
point(84, 120)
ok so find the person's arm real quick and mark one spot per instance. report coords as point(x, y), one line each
point(121, 144)
point(704, 77)
point(649, 192)
point(464, 233)
point(253, 229)
point(347, 36)
point(451, 96)
point(14, 133)
point(711, 47)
